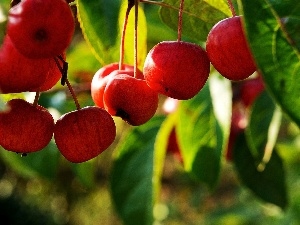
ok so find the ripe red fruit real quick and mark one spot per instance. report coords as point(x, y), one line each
point(19, 73)
point(53, 75)
point(83, 134)
point(228, 50)
point(41, 28)
point(250, 89)
point(25, 128)
point(176, 69)
point(102, 76)
point(131, 99)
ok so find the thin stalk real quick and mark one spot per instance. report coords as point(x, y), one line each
point(231, 8)
point(136, 15)
point(180, 20)
point(36, 98)
point(73, 94)
point(122, 45)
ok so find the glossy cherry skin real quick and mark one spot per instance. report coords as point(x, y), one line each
point(19, 73)
point(54, 75)
point(85, 133)
point(176, 69)
point(131, 99)
point(25, 128)
point(228, 50)
point(41, 29)
point(102, 76)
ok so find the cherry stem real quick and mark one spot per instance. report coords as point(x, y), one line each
point(62, 68)
point(36, 98)
point(73, 94)
point(122, 46)
point(231, 7)
point(136, 15)
point(180, 20)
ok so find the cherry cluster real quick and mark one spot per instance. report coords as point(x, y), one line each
point(176, 69)
point(38, 35)
point(32, 58)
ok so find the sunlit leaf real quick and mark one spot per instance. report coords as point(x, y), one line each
point(273, 47)
point(160, 147)
point(131, 177)
point(263, 127)
point(200, 138)
point(99, 22)
point(4, 7)
point(221, 95)
point(129, 36)
point(198, 18)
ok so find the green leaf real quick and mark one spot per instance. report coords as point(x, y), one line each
point(200, 138)
point(4, 7)
point(160, 147)
point(198, 18)
point(99, 21)
point(131, 176)
point(273, 47)
point(81, 60)
point(221, 95)
point(43, 163)
point(102, 24)
point(129, 36)
point(267, 184)
point(263, 127)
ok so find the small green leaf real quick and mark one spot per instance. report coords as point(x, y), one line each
point(276, 55)
point(132, 172)
point(198, 18)
point(268, 184)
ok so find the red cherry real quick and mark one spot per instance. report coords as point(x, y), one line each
point(250, 90)
point(102, 76)
point(24, 127)
point(19, 73)
point(228, 50)
point(130, 98)
point(176, 69)
point(83, 134)
point(53, 75)
point(41, 29)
